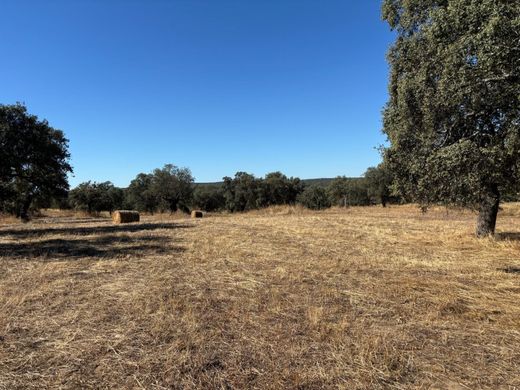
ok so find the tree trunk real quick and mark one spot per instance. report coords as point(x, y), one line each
point(24, 209)
point(488, 211)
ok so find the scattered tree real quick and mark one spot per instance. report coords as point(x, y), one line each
point(166, 189)
point(95, 197)
point(344, 191)
point(278, 189)
point(172, 187)
point(242, 192)
point(339, 190)
point(314, 197)
point(378, 181)
point(208, 198)
point(139, 195)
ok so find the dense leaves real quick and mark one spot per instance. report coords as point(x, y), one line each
point(453, 118)
point(246, 192)
point(242, 192)
point(139, 195)
point(209, 198)
point(378, 181)
point(166, 189)
point(34, 160)
point(172, 187)
point(315, 197)
point(344, 191)
point(279, 189)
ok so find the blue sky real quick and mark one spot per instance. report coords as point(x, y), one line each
point(218, 86)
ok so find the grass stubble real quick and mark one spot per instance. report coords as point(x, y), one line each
point(361, 298)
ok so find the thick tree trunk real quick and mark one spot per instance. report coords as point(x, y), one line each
point(488, 211)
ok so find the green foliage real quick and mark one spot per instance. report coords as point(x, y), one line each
point(338, 191)
point(166, 189)
point(208, 198)
point(344, 191)
point(323, 182)
point(34, 160)
point(357, 193)
point(139, 196)
point(172, 187)
point(453, 118)
point(246, 192)
point(378, 181)
point(278, 189)
point(96, 197)
point(314, 197)
point(242, 193)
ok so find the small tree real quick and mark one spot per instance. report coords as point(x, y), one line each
point(173, 187)
point(345, 191)
point(314, 197)
point(34, 160)
point(242, 193)
point(95, 197)
point(166, 189)
point(208, 198)
point(378, 180)
point(278, 189)
point(339, 190)
point(139, 195)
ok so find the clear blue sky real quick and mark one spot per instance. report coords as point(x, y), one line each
point(216, 85)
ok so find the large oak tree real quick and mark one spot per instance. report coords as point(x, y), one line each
point(453, 118)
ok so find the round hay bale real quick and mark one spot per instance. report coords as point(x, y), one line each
point(125, 216)
point(197, 214)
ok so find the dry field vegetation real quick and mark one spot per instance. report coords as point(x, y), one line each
point(362, 298)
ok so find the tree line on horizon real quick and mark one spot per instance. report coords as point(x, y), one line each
point(170, 188)
point(34, 163)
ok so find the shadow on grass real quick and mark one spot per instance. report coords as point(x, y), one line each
point(108, 246)
point(509, 236)
point(88, 230)
point(62, 221)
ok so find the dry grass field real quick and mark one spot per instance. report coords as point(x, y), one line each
point(363, 298)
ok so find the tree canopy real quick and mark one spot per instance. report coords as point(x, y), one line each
point(242, 192)
point(96, 197)
point(173, 188)
point(34, 160)
point(165, 189)
point(453, 118)
point(314, 197)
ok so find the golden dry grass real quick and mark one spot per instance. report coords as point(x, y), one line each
point(362, 298)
